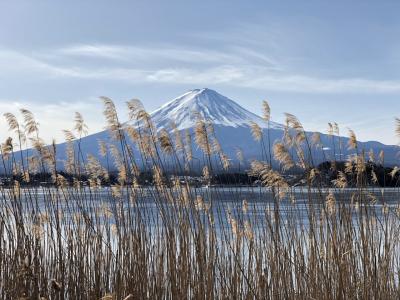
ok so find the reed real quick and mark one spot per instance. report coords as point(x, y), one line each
point(92, 233)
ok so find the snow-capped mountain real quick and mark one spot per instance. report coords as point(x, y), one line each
point(212, 106)
point(232, 126)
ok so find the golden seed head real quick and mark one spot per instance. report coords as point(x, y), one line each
point(256, 131)
point(330, 203)
point(245, 206)
point(282, 155)
point(266, 111)
point(352, 140)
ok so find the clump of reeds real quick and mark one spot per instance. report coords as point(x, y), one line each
point(96, 230)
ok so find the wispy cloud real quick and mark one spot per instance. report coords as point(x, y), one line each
point(106, 51)
point(13, 62)
point(54, 117)
point(237, 66)
point(160, 53)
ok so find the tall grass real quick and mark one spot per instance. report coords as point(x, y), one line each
point(87, 236)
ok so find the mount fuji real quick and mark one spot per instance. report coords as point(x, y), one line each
point(232, 128)
point(212, 106)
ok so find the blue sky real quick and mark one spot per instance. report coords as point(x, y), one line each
point(323, 61)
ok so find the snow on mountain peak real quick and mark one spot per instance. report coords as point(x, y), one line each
point(211, 105)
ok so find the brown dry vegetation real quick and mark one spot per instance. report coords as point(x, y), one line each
point(74, 241)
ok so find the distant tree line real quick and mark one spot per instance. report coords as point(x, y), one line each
point(375, 175)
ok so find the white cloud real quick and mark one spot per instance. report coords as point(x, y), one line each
point(240, 67)
point(160, 53)
point(307, 84)
point(16, 63)
point(112, 52)
point(222, 74)
point(53, 118)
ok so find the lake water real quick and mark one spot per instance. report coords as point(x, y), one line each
point(223, 202)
